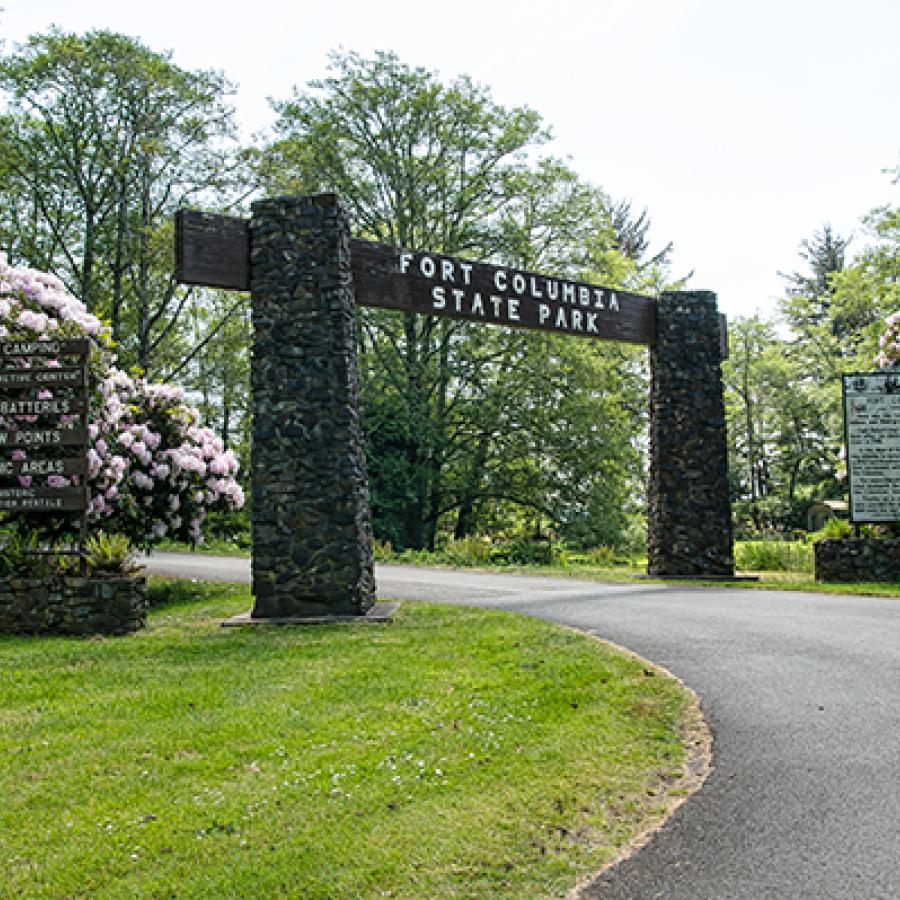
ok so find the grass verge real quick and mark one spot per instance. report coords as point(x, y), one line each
point(453, 753)
point(767, 581)
point(629, 574)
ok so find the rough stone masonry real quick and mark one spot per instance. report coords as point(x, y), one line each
point(312, 534)
point(689, 509)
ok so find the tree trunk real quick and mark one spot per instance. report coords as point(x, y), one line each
point(414, 514)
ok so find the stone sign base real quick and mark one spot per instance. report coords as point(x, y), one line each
point(858, 559)
point(380, 612)
point(73, 606)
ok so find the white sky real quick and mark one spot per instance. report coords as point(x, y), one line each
point(741, 126)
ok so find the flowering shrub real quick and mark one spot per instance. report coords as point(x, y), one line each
point(35, 304)
point(153, 471)
point(889, 343)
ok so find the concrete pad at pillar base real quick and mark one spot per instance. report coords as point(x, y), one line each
point(717, 578)
point(380, 612)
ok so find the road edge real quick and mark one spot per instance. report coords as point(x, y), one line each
point(696, 768)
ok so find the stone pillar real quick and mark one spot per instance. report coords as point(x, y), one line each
point(689, 508)
point(312, 533)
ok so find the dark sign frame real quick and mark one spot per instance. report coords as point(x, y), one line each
point(15, 385)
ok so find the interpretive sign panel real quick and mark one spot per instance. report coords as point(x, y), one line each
point(872, 433)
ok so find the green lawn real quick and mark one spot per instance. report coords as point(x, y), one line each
point(769, 581)
point(452, 753)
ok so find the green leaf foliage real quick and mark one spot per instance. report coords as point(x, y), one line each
point(472, 428)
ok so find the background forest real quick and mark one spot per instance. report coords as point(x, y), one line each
point(471, 431)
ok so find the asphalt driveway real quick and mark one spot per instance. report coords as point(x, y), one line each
point(801, 691)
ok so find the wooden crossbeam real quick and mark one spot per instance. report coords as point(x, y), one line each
point(214, 251)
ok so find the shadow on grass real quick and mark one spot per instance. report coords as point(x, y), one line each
point(174, 593)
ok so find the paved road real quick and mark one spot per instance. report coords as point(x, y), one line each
point(802, 693)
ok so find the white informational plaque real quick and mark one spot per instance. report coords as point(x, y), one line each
point(872, 434)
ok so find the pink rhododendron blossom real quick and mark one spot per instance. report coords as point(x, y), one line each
point(94, 462)
point(889, 343)
point(144, 482)
point(149, 458)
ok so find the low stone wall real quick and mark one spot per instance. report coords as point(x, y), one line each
point(858, 559)
point(72, 606)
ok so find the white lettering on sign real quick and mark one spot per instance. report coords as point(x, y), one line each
point(31, 348)
point(500, 309)
point(34, 467)
point(29, 377)
point(34, 407)
point(513, 291)
point(24, 504)
point(30, 438)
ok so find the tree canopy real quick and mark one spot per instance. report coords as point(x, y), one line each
point(469, 428)
point(101, 140)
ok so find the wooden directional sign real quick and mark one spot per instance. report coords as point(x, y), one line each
point(73, 465)
point(43, 499)
point(55, 406)
point(44, 437)
point(63, 376)
point(31, 387)
point(48, 349)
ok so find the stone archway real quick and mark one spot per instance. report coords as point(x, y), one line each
point(312, 530)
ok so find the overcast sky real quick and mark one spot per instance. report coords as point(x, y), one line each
point(742, 127)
